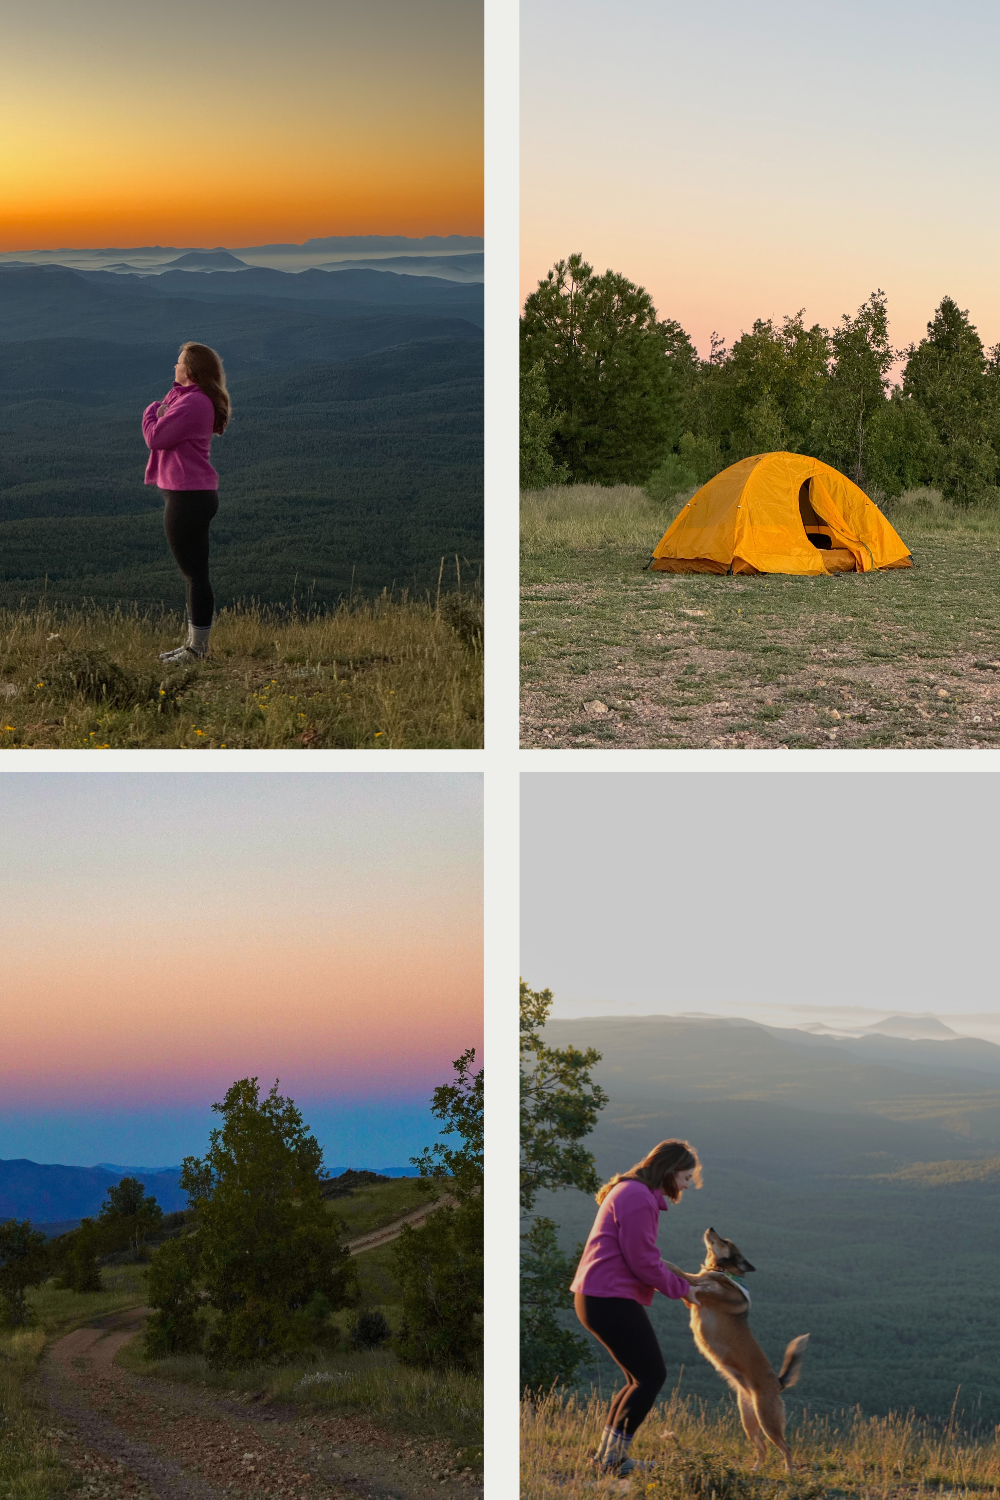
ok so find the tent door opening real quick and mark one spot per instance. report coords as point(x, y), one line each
point(816, 528)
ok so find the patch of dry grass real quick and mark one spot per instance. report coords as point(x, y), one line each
point(383, 674)
point(583, 517)
point(699, 1451)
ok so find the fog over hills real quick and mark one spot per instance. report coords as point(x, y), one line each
point(457, 256)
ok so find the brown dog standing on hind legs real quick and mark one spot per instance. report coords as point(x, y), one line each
point(721, 1328)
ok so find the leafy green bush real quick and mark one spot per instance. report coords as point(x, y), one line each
point(76, 1255)
point(24, 1262)
point(697, 459)
point(177, 1325)
point(440, 1269)
point(371, 1330)
point(550, 1353)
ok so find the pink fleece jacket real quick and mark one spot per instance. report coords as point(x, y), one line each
point(620, 1258)
point(180, 442)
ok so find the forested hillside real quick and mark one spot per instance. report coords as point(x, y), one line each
point(863, 1187)
point(354, 453)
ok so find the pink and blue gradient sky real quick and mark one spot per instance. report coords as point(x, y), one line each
point(166, 934)
point(744, 161)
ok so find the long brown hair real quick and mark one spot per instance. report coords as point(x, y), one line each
point(204, 367)
point(658, 1168)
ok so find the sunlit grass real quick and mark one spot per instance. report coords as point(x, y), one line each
point(584, 517)
point(847, 1455)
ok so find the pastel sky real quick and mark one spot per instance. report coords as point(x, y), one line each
point(745, 161)
point(238, 122)
point(164, 935)
point(664, 893)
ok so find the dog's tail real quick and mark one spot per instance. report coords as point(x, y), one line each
point(791, 1365)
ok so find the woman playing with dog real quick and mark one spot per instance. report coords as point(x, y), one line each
point(618, 1273)
point(178, 432)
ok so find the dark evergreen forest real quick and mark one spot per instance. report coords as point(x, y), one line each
point(353, 459)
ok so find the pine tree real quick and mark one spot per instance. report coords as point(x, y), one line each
point(948, 376)
point(617, 376)
point(440, 1265)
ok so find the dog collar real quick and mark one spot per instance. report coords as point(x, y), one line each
point(737, 1281)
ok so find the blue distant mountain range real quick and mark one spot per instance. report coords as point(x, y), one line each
point(57, 1197)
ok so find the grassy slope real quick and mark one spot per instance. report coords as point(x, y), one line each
point(382, 675)
point(869, 1219)
point(906, 658)
point(370, 1208)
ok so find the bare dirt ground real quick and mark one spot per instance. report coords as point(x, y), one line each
point(130, 1437)
point(618, 658)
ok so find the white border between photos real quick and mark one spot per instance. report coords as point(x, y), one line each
point(498, 763)
point(750, 762)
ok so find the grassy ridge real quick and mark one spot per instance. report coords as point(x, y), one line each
point(388, 673)
point(700, 1450)
point(615, 656)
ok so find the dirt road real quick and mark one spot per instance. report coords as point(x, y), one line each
point(129, 1437)
point(390, 1232)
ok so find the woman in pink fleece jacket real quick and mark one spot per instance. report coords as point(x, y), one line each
point(618, 1273)
point(178, 432)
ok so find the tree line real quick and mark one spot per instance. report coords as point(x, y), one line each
point(613, 394)
point(253, 1271)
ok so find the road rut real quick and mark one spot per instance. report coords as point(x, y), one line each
point(132, 1437)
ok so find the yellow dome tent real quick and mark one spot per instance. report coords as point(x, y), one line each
point(779, 513)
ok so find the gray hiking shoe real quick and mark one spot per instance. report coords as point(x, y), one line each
point(181, 655)
point(624, 1467)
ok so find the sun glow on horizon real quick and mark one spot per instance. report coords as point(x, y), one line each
point(359, 120)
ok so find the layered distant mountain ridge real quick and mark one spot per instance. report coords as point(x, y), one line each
point(57, 1197)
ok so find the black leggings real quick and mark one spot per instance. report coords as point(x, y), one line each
point(623, 1327)
point(187, 515)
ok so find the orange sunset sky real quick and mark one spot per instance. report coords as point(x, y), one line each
point(212, 122)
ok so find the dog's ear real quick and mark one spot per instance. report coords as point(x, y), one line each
point(745, 1264)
